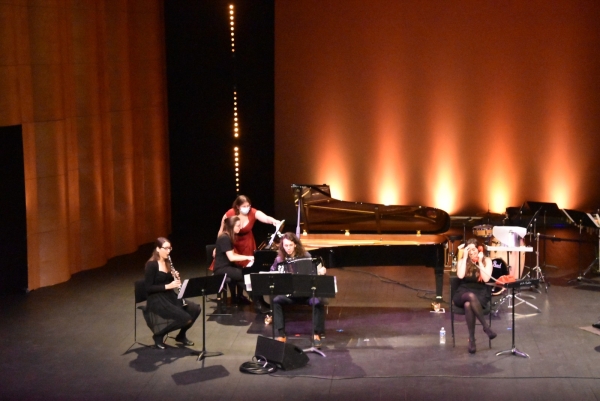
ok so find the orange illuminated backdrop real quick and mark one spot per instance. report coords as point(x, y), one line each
point(463, 105)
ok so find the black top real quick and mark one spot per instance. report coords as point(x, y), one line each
point(164, 312)
point(224, 245)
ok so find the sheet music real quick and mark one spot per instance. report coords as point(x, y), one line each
point(182, 289)
point(247, 282)
point(223, 282)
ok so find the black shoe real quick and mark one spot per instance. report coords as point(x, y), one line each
point(242, 300)
point(261, 309)
point(596, 325)
point(317, 341)
point(184, 341)
point(490, 333)
point(158, 341)
point(472, 348)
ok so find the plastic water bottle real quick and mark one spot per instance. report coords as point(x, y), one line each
point(442, 336)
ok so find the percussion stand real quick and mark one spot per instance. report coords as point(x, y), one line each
point(586, 220)
point(453, 238)
point(544, 236)
point(597, 260)
point(537, 270)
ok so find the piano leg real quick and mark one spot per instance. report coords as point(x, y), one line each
point(439, 281)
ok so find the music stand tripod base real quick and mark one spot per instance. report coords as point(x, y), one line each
point(315, 350)
point(513, 351)
point(203, 286)
point(205, 354)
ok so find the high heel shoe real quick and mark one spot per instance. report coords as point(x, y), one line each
point(158, 341)
point(184, 340)
point(472, 348)
point(489, 332)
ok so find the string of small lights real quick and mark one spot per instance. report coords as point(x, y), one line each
point(236, 127)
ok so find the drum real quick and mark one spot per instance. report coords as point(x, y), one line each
point(509, 257)
point(484, 231)
point(499, 269)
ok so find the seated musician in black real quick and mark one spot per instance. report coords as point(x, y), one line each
point(474, 270)
point(291, 248)
point(164, 311)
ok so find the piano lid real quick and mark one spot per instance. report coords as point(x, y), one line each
point(322, 213)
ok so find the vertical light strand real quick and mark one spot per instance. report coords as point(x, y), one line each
point(236, 128)
point(236, 164)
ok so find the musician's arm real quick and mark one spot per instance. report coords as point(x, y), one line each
point(236, 257)
point(222, 228)
point(321, 270)
point(486, 269)
point(263, 218)
point(461, 268)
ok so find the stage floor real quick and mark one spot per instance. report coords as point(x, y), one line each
point(70, 342)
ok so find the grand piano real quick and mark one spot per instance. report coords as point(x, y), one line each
point(367, 234)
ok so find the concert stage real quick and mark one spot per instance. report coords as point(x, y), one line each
point(69, 342)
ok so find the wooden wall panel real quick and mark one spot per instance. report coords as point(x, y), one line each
point(86, 79)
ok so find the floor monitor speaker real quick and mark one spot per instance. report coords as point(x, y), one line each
point(285, 356)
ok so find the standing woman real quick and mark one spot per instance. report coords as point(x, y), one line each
point(226, 258)
point(164, 312)
point(474, 270)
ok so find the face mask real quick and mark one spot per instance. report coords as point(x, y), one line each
point(245, 210)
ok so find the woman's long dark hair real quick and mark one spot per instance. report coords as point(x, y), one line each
point(298, 252)
point(239, 201)
point(228, 227)
point(160, 241)
point(470, 265)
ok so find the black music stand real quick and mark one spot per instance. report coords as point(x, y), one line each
point(201, 287)
point(313, 286)
point(513, 286)
point(271, 284)
point(582, 219)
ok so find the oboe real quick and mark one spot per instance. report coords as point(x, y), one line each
point(175, 275)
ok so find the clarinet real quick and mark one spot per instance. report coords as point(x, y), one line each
point(175, 276)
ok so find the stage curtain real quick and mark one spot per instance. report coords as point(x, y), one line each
point(86, 80)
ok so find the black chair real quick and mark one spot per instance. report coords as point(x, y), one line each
point(221, 299)
point(140, 296)
point(487, 308)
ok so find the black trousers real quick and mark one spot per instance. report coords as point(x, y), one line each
point(318, 315)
